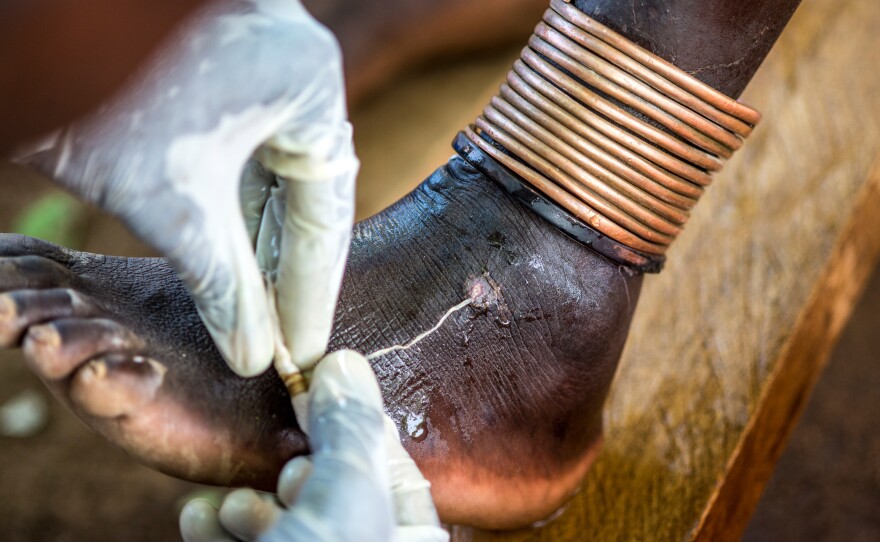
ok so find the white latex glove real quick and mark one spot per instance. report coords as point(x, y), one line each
point(240, 78)
point(358, 485)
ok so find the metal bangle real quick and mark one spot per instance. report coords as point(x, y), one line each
point(576, 119)
point(656, 64)
point(666, 202)
point(643, 73)
point(628, 197)
point(576, 205)
point(546, 112)
point(640, 96)
point(645, 148)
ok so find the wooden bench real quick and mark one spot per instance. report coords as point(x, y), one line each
point(730, 339)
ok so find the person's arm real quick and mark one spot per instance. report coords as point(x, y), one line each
point(358, 484)
point(166, 155)
point(60, 59)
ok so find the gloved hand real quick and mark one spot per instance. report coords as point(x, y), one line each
point(240, 78)
point(358, 485)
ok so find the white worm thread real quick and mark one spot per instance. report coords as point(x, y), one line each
point(422, 335)
point(282, 361)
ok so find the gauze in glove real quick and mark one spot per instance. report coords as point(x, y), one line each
point(167, 156)
point(359, 484)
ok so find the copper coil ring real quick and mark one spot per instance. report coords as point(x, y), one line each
point(613, 111)
point(651, 78)
point(563, 173)
point(620, 152)
point(619, 118)
point(668, 112)
point(572, 122)
point(657, 64)
point(626, 212)
point(572, 204)
point(591, 170)
point(638, 145)
point(593, 152)
point(687, 134)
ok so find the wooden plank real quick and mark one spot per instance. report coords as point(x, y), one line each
point(729, 340)
point(801, 360)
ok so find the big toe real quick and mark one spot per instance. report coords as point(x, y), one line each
point(116, 385)
point(55, 349)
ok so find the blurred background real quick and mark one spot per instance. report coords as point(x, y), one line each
point(59, 481)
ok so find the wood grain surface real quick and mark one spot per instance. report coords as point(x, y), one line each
point(730, 338)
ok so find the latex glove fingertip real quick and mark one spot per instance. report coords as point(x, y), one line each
point(199, 522)
point(341, 377)
point(421, 533)
point(292, 477)
point(246, 515)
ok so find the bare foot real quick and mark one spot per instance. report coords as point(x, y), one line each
point(500, 406)
point(119, 341)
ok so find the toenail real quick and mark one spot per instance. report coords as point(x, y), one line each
point(94, 370)
point(116, 387)
point(8, 309)
point(47, 336)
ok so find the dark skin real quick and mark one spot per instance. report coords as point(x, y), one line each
point(720, 42)
point(500, 407)
point(494, 372)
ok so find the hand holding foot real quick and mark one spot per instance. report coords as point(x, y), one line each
point(503, 397)
point(167, 157)
point(358, 483)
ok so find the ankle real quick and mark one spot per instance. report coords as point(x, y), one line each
point(622, 141)
point(493, 502)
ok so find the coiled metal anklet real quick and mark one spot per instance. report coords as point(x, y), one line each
point(615, 135)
